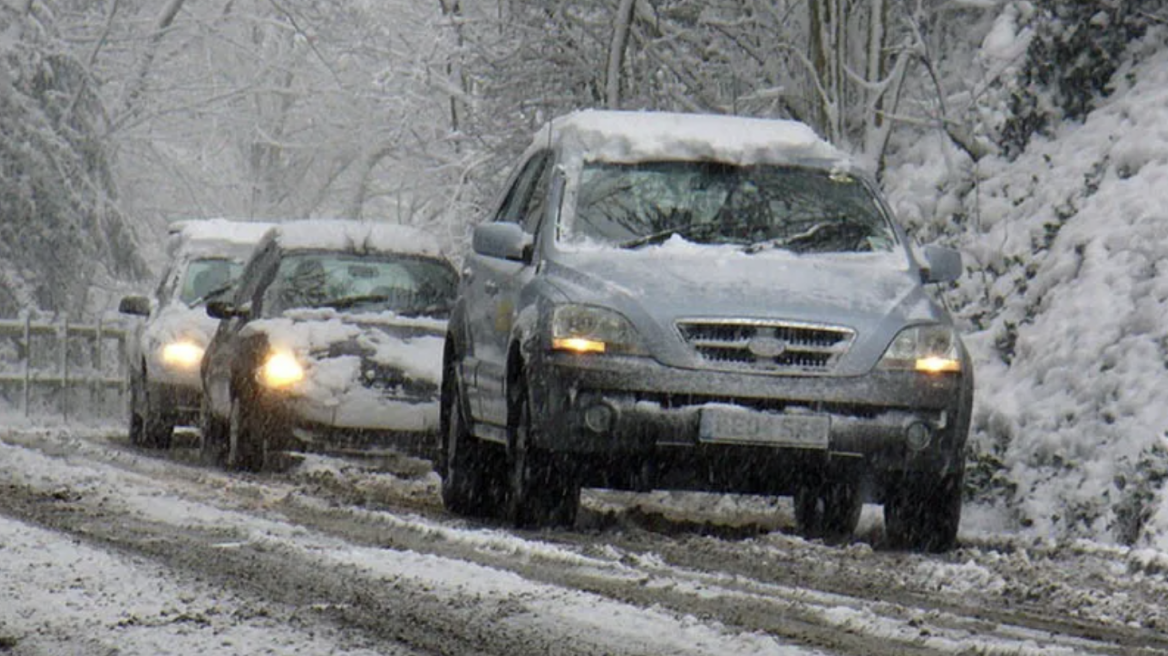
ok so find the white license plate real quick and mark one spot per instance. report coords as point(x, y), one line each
point(741, 426)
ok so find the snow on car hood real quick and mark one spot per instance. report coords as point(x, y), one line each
point(682, 279)
point(177, 321)
point(413, 345)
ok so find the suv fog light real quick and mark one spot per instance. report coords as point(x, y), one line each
point(598, 418)
point(918, 435)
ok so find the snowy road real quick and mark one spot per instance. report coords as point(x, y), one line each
point(106, 549)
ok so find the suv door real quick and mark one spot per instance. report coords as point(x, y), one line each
point(492, 286)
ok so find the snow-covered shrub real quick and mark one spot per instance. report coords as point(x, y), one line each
point(1065, 301)
point(1069, 65)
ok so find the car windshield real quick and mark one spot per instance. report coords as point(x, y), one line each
point(405, 284)
point(757, 207)
point(207, 277)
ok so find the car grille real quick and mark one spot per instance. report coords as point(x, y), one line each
point(766, 346)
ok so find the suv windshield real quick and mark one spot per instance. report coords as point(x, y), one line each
point(404, 284)
point(757, 207)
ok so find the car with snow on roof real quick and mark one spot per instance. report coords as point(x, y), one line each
point(165, 349)
point(715, 303)
point(331, 342)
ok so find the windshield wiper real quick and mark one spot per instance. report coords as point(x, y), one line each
point(350, 301)
point(662, 236)
point(833, 228)
point(218, 291)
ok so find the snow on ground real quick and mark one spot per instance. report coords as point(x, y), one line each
point(61, 596)
point(59, 591)
point(56, 591)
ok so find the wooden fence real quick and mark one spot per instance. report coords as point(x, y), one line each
point(57, 367)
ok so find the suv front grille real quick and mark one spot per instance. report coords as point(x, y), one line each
point(767, 346)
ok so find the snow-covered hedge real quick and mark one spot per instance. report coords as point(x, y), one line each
point(1066, 304)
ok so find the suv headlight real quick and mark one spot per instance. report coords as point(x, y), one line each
point(593, 329)
point(930, 349)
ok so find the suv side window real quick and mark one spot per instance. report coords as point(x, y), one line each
point(527, 199)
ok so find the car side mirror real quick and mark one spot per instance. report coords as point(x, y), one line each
point(137, 305)
point(941, 264)
point(506, 241)
point(221, 310)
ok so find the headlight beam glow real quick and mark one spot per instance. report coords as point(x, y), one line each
point(281, 370)
point(182, 355)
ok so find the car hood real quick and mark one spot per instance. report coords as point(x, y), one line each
point(677, 281)
point(874, 295)
point(176, 321)
point(412, 346)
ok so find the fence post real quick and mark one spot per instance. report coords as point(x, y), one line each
point(24, 393)
point(63, 344)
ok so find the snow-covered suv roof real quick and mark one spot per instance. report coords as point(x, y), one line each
point(628, 136)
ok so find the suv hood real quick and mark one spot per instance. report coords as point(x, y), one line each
point(862, 291)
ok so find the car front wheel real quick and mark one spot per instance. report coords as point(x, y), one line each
point(245, 438)
point(214, 435)
point(149, 427)
point(543, 489)
point(137, 399)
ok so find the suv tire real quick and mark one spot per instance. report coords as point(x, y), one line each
point(543, 489)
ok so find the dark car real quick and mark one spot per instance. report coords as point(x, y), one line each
point(166, 348)
point(332, 341)
point(671, 301)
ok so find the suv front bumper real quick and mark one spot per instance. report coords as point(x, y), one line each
point(886, 422)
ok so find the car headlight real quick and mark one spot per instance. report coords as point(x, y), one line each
point(930, 349)
point(593, 329)
point(182, 354)
point(280, 370)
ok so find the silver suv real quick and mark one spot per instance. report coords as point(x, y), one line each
point(671, 301)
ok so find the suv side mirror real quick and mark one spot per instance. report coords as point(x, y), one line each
point(507, 241)
point(138, 305)
point(941, 264)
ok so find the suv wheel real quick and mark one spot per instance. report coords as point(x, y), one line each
point(543, 489)
point(827, 509)
point(213, 436)
point(469, 485)
point(924, 513)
